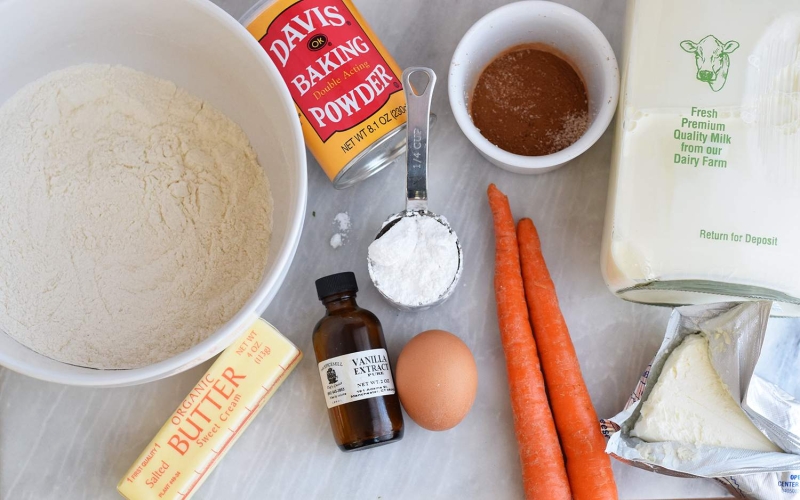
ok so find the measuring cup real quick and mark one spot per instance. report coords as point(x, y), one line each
point(417, 127)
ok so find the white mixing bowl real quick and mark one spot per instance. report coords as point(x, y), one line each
point(201, 48)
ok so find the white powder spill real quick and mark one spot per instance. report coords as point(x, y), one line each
point(415, 262)
point(342, 222)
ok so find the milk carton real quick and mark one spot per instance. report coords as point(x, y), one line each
point(704, 200)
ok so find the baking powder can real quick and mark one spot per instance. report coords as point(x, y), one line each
point(344, 83)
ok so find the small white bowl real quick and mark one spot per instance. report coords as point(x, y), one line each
point(560, 27)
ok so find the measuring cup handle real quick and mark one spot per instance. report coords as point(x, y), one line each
point(418, 109)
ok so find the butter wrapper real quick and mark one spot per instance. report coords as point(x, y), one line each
point(736, 333)
point(212, 416)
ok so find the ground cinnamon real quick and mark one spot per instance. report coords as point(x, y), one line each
point(530, 101)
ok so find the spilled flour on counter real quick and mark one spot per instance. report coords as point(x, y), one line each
point(342, 222)
point(135, 219)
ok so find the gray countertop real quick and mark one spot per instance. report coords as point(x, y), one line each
point(67, 442)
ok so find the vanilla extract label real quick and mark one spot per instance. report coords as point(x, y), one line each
point(356, 376)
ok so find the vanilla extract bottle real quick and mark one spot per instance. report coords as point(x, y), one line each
point(354, 368)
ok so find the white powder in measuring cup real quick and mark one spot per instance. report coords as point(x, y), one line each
point(415, 262)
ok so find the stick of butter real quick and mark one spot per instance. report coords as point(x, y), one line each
point(213, 415)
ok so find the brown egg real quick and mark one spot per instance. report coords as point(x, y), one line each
point(436, 379)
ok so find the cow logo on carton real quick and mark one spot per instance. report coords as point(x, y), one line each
point(712, 58)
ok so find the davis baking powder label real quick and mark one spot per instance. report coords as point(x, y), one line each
point(356, 376)
point(335, 74)
point(345, 85)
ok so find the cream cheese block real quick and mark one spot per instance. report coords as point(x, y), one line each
point(690, 404)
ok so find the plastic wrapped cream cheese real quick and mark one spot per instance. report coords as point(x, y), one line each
point(690, 404)
point(212, 416)
point(705, 183)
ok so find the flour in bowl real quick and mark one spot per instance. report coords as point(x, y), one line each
point(135, 219)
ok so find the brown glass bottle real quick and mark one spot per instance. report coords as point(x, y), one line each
point(356, 376)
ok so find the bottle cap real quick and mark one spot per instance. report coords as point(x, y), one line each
point(336, 283)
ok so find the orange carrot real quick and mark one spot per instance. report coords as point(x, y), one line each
point(588, 466)
point(543, 473)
